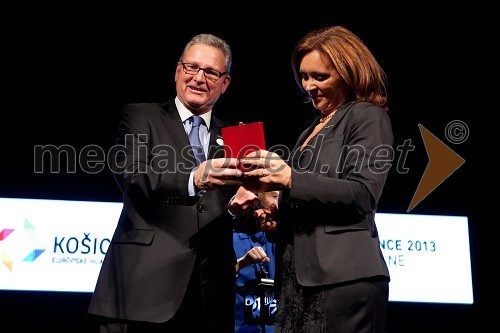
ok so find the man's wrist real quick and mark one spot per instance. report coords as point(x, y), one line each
point(193, 191)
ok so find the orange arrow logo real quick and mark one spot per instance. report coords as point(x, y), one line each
point(442, 163)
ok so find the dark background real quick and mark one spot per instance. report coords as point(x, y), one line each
point(67, 76)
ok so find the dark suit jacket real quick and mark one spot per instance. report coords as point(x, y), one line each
point(336, 185)
point(149, 262)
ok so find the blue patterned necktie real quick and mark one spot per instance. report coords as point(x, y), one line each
point(194, 139)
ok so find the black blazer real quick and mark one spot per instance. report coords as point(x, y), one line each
point(149, 262)
point(336, 185)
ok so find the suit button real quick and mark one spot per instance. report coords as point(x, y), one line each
point(202, 209)
point(299, 227)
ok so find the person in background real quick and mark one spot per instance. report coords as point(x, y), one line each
point(170, 264)
point(255, 254)
point(331, 275)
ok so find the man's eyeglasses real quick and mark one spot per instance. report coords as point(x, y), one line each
point(209, 73)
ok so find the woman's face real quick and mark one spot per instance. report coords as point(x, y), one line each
point(322, 82)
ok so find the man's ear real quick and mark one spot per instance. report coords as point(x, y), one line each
point(225, 83)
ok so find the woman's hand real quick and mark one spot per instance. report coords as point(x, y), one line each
point(268, 172)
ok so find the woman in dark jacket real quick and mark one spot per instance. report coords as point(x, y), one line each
point(331, 274)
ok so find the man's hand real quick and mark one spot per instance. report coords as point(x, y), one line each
point(243, 201)
point(266, 218)
point(254, 256)
point(217, 173)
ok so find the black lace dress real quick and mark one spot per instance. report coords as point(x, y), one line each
point(301, 309)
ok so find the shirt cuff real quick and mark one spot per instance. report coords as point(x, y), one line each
point(192, 192)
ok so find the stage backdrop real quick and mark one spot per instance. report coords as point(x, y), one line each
point(57, 245)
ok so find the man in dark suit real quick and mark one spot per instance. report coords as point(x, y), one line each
point(170, 264)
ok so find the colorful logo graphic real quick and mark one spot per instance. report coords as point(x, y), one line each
point(8, 258)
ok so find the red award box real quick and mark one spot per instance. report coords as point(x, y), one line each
point(240, 140)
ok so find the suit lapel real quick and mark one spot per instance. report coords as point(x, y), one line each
point(215, 149)
point(309, 153)
point(173, 123)
point(304, 134)
point(335, 120)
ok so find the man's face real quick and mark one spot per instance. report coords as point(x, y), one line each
point(269, 198)
point(195, 91)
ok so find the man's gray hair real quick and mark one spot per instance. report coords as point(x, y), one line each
point(214, 41)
